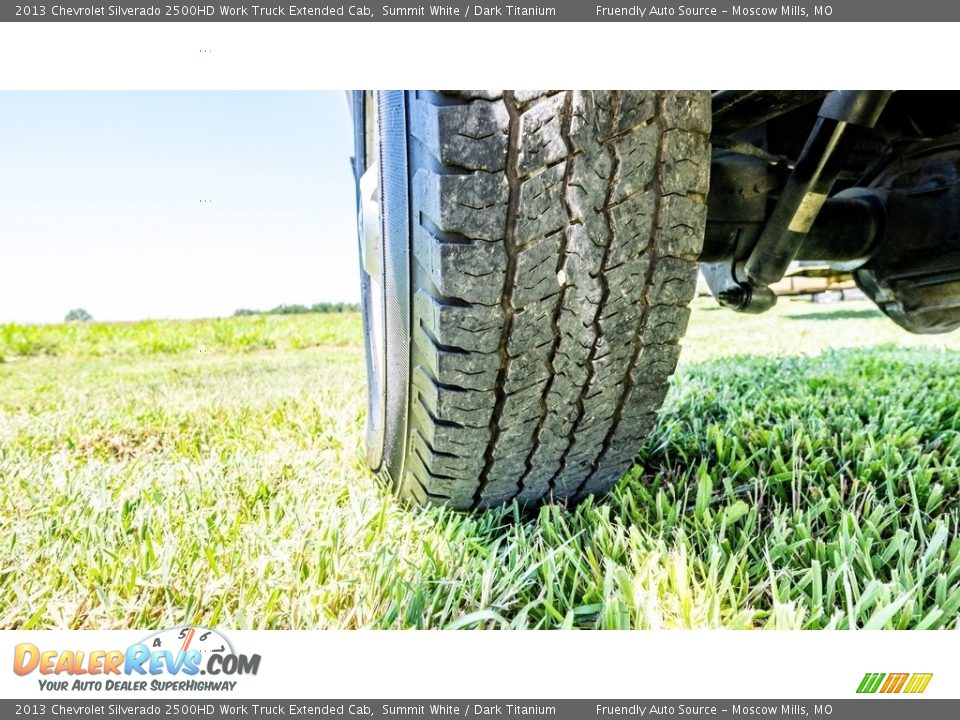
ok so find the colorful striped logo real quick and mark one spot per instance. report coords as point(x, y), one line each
point(894, 683)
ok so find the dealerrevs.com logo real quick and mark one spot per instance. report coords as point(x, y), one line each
point(168, 660)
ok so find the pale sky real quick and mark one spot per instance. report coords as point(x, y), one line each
point(100, 203)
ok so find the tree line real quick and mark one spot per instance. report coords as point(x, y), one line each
point(323, 307)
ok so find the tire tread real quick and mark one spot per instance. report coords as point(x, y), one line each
point(556, 235)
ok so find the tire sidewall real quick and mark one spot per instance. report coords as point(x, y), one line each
point(387, 401)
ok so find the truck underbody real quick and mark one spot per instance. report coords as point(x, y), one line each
point(866, 182)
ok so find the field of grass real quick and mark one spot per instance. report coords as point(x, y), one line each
point(805, 474)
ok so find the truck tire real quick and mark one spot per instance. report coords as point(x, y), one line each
point(528, 259)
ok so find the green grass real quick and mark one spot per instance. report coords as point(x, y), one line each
point(168, 337)
point(804, 474)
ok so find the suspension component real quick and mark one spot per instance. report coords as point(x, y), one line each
point(803, 196)
point(736, 110)
point(899, 233)
point(817, 169)
point(913, 274)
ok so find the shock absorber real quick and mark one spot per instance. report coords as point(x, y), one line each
point(817, 169)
